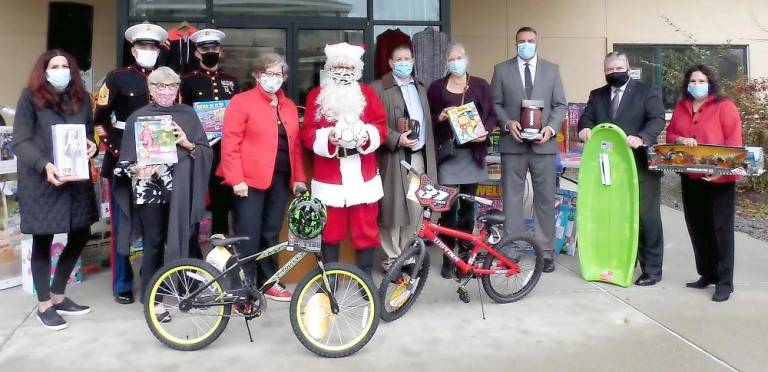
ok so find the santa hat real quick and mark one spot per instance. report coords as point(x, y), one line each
point(344, 54)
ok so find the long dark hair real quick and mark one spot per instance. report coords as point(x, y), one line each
point(44, 95)
point(714, 87)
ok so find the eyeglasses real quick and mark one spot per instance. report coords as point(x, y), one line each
point(272, 74)
point(164, 86)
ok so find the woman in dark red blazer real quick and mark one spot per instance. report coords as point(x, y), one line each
point(261, 159)
point(703, 116)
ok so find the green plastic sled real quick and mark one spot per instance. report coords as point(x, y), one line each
point(607, 208)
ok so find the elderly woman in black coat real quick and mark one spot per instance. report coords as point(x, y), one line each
point(163, 202)
point(48, 203)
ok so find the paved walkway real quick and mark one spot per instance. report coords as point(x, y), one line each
point(566, 324)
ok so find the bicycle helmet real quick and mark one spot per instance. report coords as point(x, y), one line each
point(306, 217)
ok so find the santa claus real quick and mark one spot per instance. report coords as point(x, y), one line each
point(343, 126)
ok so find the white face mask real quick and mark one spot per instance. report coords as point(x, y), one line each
point(58, 77)
point(270, 84)
point(146, 58)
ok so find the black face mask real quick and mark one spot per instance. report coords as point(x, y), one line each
point(210, 59)
point(617, 79)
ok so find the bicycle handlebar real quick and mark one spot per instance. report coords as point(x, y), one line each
point(476, 199)
point(409, 168)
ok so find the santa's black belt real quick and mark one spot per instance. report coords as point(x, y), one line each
point(345, 152)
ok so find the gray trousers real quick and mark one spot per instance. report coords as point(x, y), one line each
point(542, 167)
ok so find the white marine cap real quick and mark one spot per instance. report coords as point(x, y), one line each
point(208, 36)
point(146, 32)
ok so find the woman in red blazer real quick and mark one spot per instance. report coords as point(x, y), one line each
point(261, 158)
point(703, 116)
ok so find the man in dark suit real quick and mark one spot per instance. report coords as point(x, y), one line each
point(637, 108)
point(528, 77)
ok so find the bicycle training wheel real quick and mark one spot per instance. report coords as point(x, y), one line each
point(346, 332)
point(401, 287)
point(527, 254)
point(190, 327)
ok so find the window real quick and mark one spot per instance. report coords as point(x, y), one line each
point(406, 10)
point(317, 8)
point(181, 9)
point(665, 65)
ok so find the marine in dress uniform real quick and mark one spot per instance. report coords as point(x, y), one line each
point(210, 83)
point(124, 91)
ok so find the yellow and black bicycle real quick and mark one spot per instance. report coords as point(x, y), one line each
point(334, 310)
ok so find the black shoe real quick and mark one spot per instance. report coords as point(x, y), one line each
point(549, 265)
point(69, 307)
point(51, 319)
point(721, 294)
point(700, 284)
point(645, 281)
point(446, 271)
point(124, 298)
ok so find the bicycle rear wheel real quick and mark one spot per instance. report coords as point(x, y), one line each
point(401, 287)
point(527, 254)
point(346, 332)
point(179, 327)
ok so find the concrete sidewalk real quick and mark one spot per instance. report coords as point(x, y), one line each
point(566, 324)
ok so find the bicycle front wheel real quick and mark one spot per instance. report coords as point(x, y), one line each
point(346, 332)
point(401, 286)
point(527, 254)
point(190, 327)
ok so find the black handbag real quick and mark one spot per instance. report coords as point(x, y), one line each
point(446, 151)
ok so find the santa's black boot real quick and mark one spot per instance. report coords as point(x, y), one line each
point(329, 252)
point(365, 263)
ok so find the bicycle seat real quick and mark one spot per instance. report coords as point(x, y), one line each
point(492, 217)
point(228, 241)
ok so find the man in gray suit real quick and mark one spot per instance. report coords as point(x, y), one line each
point(528, 77)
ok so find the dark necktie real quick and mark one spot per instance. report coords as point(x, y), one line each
point(615, 103)
point(528, 81)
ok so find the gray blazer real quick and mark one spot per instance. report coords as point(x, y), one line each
point(508, 92)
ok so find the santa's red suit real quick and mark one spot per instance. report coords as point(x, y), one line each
point(347, 181)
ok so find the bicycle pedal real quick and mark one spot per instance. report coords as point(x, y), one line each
point(463, 295)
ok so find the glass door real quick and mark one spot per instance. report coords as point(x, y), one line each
point(243, 45)
point(310, 55)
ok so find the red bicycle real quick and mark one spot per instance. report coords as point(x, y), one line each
point(508, 267)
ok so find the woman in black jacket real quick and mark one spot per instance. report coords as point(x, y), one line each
point(48, 203)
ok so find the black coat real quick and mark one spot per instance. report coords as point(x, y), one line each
point(44, 208)
point(641, 111)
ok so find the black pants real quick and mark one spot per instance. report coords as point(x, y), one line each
point(41, 262)
point(154, 222)
point(650, 247)
point(221, 197)
point(461, 216)
point(259, 216)
point(710, 210)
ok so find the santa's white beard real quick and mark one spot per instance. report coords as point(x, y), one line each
point(338, 101)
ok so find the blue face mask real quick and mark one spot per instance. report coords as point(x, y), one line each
point(526, 50)
point(403, 69)
point(698, 91)
point(458, 67)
